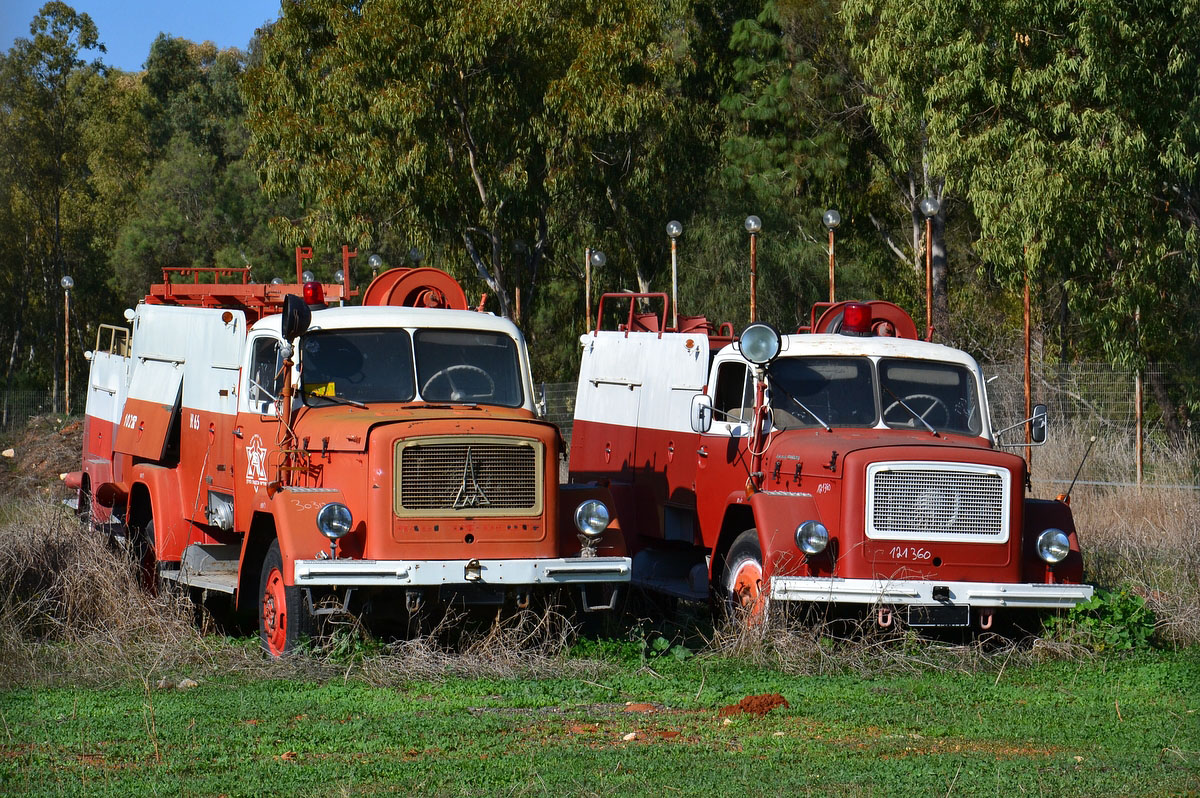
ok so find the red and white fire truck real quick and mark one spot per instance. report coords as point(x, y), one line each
point(247, 439)
point(847, 464)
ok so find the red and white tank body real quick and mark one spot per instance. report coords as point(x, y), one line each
point(386, 457)
point(837, 469)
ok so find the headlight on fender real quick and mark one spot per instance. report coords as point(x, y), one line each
point(592, 517)
point(812, 537)
point(1053, 545)
point(335, 520)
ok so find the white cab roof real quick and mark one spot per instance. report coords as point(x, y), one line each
point(349, 317)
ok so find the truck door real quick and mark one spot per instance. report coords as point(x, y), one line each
point(257, 429)
point(722, 460)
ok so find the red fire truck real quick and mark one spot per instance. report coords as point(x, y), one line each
point(245, 438)
point(847, 464)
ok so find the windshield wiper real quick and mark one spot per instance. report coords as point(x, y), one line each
point(914, 413)
point(802, 406)
point(337, 400)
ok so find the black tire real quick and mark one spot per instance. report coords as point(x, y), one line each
point(284, 617)
point(145, 558)
point(742, 591)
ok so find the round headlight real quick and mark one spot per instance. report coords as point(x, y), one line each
point(760, 343)
point(334, 520)
point(1053, 546)
point(812, 537)
point(591, 517)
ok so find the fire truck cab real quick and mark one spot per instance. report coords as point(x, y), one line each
point(249, 440)
point(847, 464)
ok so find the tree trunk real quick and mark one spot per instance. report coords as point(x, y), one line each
point(941, 280)
point(1171, 412)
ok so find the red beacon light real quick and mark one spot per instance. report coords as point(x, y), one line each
point(856, 319)
point(314, 295)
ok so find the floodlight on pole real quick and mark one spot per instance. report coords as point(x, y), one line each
point(592, 258)
point(376, 263)
point(831, 219)
point(67, 283)
point(930, 207)
point(674, 231)
point(753, 227)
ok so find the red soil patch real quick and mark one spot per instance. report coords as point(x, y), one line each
point(755, 705)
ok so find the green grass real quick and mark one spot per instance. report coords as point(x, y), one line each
point(1115, 726)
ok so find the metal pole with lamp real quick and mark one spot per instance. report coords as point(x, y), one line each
point(929, 207)
point(376, 263)
point(674, 230)
point(753, 227)
point(831, 219)
point(67, 284)
point(591, 257)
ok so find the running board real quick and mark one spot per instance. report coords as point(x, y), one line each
point(679, 573)
point(207, 566)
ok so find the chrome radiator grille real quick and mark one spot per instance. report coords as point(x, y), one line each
point(468, 476)
point(937, 501)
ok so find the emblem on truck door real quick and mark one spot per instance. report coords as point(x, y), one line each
point(469, 492)
point(256, 462)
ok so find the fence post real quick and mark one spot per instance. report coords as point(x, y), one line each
point(1137, 416)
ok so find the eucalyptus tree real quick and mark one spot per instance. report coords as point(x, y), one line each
point(1071, 130)
point(43, 184)
point(196, 201)
point(466, 126)
point(804, 137)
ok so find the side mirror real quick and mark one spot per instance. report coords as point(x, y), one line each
point(1037, 424)
point(702, 413)
point(296, 317)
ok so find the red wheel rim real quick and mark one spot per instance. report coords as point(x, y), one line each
point(747, 587)
point(274, 613)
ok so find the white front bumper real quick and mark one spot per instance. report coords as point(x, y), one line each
point(497, 573)
point(882, 591)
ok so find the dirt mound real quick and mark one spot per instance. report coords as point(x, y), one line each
point(755, 705)
point(35, 456)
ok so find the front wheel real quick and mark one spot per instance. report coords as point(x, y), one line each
point(283, 613)
point(743, 588)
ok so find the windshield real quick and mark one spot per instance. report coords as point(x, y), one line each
point(942, 394)
point(838, 391)
point(854, 392)
point(357, 367)
point(340, 366)
point(468, 366)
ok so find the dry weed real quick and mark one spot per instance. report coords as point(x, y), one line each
point(1145, 537)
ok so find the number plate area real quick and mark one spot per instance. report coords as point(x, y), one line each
point(939, 615)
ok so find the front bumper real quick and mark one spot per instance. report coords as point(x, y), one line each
point(901, 592)
point(431, 573)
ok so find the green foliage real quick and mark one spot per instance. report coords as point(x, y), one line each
point(47, 222)
point(1112, 620)
point(1107, 727)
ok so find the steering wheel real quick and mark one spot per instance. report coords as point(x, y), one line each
point(456, 394)
point(916, 401)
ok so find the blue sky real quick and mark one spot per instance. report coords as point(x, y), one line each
point(127, 27)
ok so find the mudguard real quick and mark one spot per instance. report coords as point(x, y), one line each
point(295, 511)
point(612, 542)
point(1041, 514)
point(776, 516)
point(171, 531)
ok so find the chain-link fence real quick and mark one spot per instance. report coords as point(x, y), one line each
point(17, 407)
